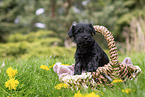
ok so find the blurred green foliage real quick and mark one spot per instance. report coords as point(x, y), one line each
point(40, 43)
point(18, 19)
point(21, 15)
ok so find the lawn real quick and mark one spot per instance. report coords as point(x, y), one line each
point(37, 82)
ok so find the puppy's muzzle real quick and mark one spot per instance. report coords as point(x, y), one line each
point(85, 37)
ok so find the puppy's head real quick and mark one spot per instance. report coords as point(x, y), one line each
point(82, 34)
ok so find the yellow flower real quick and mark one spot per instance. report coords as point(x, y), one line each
point(65, 64)
point(78, 94)
point(11, 72)
point(51, 66)
point(126, 91)
point(116, 81)
point(61, 85)
point(12, 83)
point(91, 95)
point(44, 67)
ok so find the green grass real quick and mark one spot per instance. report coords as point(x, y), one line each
point(36, 82)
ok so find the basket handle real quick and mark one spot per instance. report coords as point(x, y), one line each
point(111, 44)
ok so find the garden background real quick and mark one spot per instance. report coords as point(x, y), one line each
point(35, 32)
point(39, 27)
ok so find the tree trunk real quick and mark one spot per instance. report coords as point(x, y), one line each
point(53, 6)
point(68, 5)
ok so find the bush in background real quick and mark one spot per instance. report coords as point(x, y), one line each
point(40, 43)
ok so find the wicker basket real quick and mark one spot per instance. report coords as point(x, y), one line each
point(103, 75)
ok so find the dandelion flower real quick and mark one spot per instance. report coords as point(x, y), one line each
point(116, 81)
point(78, 94)
point(91, 95)
point(12, 83)
point(61, 85)
point(44, 67)
point(65, 64)
point(11, 72)
point(126, 91)
point(51, 66)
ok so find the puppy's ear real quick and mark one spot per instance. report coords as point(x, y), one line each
point(93, 30)
point(71, 31)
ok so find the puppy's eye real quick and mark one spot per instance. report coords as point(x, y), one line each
point(80, 30)
point(76, 32)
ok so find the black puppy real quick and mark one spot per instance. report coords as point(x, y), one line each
point(89, 55)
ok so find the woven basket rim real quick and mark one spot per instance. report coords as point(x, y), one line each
point(111, 44)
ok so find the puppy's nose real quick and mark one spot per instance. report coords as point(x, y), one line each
point(86, 37)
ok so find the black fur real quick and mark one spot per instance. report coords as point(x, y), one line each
point(89, 55)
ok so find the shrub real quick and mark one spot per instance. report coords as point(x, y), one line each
point(16, 37)
point(30, 37)
point(40, 43)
